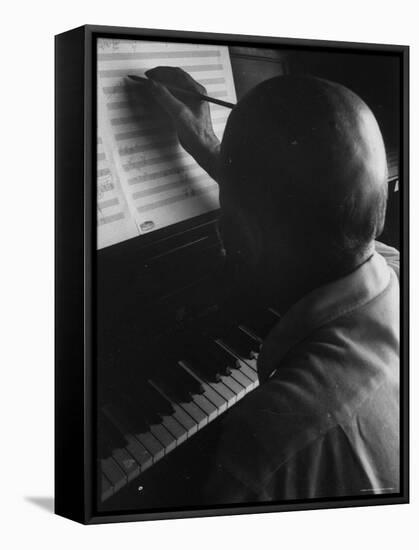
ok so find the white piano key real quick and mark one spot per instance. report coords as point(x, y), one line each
point(179, 432)
point(224, 391)
point(250, 361)
point(107, 488)
point(207, 406)
point(235, 387)
point(242, 379)
point(180, 413)
point(139, 452)
point(114, 473)
point(147, 439)
point(241, 365)
point(218, 400)
point(165, 437)
point(126, 462)
point(152, 444)
point(188, 416)
point(187, 421)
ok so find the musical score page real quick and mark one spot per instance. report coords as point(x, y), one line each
point(114, 222)
point(146, 181)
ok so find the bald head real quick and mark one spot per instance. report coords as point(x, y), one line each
point(305, 156)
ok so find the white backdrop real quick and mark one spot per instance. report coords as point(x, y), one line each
point(26, 301)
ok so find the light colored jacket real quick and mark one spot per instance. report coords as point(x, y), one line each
point(326, 421)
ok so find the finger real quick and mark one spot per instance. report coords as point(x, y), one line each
point(176, 77)
point(168, 101)
point(192, 82)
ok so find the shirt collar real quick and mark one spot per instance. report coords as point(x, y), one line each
point(320, 306)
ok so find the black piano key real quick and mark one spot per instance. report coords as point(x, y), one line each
point(204, 403)
point(142, 456)
point(201, 351)
point(153, 420)
point(261, 322)
point(137, 428)
point(201, 357)
point(153, 426)
point(171, 402)
point(109, 437)
point(148, 412)
point(139, 411)
point(225, 366)
point(229, 363)
point(224, 384)
point(179, 414)
point(183, 379)
point(252, 334)
point(212, 395)
point(168, 415)
point(112, 444)
point(241, 345)
point(236, 364)
point(149, 400)
point(195, 412)
point(245, 373)
point(152, 400)
point(169, 388)
point(179, 385)
point(241, 377)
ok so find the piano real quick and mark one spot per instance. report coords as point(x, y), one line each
point(177, 346)
point(174, 366)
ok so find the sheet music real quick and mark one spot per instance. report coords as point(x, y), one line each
point(162, 184)
point(113, 217)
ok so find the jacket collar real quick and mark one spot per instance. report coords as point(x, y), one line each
point(321, 306)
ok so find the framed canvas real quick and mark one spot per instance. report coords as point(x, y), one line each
point(231, 274)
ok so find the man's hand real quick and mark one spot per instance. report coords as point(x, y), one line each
point(191, 117)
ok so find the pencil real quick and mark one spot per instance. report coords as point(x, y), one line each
point(190, 93)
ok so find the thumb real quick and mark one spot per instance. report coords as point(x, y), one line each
point(167, 100)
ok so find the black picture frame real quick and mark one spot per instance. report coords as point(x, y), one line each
point(76, 265)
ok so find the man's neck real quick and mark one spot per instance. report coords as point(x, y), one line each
point(283, 289)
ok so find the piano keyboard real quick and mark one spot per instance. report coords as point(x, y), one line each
point(214, 374)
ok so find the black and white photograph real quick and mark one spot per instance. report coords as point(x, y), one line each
point(248, 269)
point(209, 259)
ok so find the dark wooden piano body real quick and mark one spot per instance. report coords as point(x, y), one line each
point(176, 348)
point(177, 342)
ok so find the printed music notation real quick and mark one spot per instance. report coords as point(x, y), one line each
point(146, 181)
